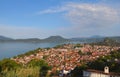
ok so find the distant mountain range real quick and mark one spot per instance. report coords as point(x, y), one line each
point(91, 39)
point(49, 39)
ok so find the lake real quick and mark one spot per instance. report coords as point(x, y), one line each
point(10, 49)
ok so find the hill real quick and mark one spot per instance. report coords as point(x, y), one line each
point(88, 39)
point(117, 38)
point(3, 38)
point(34, 40)
point(96, 39)
point(55, 39)
point(109, 41)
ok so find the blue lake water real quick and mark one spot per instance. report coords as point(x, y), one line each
point(10, 49)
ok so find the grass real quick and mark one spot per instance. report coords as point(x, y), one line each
point(22, 72)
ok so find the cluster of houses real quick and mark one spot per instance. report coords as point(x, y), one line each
point(68, 56)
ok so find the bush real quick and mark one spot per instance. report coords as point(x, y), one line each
point(7, 64)
point(35, 62)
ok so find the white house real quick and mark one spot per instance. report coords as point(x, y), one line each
point(63, 73)
point(96, 73)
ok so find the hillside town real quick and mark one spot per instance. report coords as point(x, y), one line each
point(68, 56)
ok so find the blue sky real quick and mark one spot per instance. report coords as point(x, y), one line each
point(67, 18)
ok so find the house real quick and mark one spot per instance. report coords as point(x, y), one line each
point(96, 73)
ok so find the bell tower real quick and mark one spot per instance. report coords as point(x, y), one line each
point(106, 69)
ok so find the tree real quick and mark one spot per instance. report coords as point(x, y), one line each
point(43, 66)
point(43, 70)
point(35, 62)
point(78, 45)
point(80, 52)
point(78, 71)
point(7, 64)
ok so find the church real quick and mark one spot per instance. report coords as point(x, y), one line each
point(96, 73)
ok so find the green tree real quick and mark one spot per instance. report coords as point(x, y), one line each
point(78, 45)
point(78, 71)
point(7, 64)
point(44, 70)
point(35, 62)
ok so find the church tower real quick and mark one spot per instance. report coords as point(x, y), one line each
point(106, 69)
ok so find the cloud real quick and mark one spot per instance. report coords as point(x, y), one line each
point(87, 15)
point(53, 10)
point(92, 15)
point(87, 19)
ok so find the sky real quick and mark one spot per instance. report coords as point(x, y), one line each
point(67, 18)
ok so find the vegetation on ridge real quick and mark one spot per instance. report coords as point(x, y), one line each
point(35, 68)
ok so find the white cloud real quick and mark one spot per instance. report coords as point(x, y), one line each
point(53, 10)
point(88, 15)
point(87, 19)
point(82, 15)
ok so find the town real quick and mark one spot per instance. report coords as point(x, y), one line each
point(68, 56)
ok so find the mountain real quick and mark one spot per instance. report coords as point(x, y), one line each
point(3, 38)
point(55, 39)
point(49, 39)
point(34, 40)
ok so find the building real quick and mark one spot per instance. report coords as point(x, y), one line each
point(96, 73)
